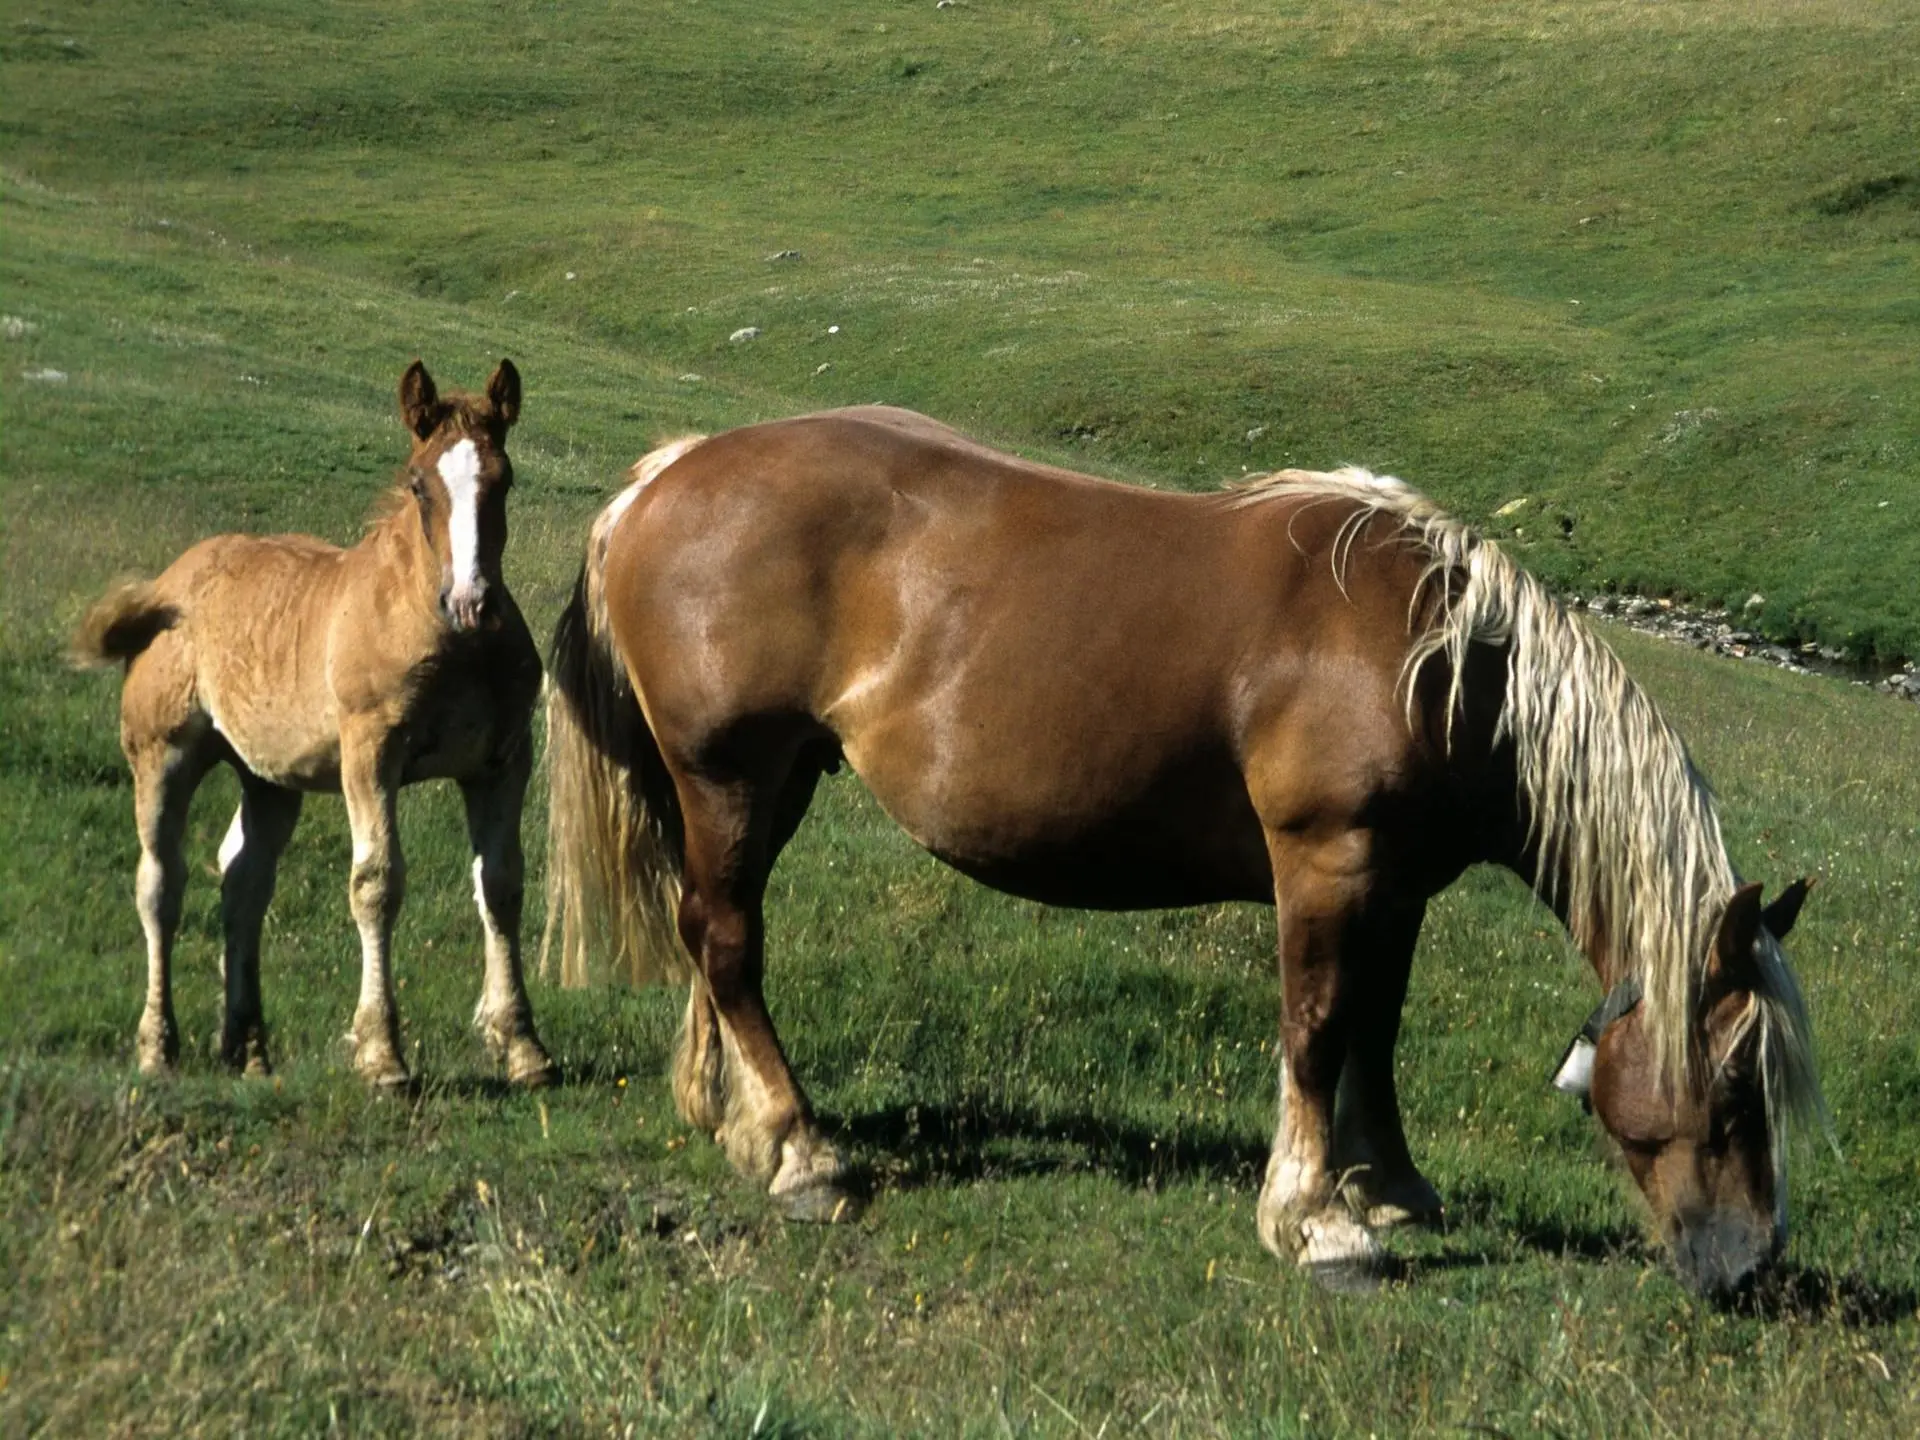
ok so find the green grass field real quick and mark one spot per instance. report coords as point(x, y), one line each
point(1162, 241)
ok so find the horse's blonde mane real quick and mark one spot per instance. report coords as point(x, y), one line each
point(1627, 833)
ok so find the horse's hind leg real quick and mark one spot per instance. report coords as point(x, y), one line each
point(699, 1062)
point(249, 862)
point(699, 1058)
point(1369, 1145)
point(165, 775)
point(504, 1016)
point(767, 1126)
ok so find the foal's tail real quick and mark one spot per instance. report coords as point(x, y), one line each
point(120, 624)
point(614, 832)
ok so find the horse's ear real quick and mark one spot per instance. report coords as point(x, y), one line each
point(1785, 909)
point(504, 391)
point(419, 400)
point(1731, 965)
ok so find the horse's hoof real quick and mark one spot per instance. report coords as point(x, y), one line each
point(1407, 1200)
point(384, 1073)
point(1388, 1214)
point(538, 1077)
point(531, 1068)
point(1353, 1277)
point(156, 1048)
point(247, 1057)
point(826, 1203)
point(1342, 1256)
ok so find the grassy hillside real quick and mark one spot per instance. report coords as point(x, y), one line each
point(1650, 266)
point(1126, 236)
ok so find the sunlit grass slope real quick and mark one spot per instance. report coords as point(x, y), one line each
point(1649, 265)
point(1162, 241)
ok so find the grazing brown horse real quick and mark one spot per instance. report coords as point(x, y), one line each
point(1316, 691)
point(308, 667)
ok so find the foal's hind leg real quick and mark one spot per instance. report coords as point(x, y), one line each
point(504, 1017)
point(165, 775)
point(249, 862)
point(1369, 1145)
point(767, 1128)
point(370, 781)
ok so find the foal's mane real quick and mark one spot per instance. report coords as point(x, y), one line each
point(1626, 829)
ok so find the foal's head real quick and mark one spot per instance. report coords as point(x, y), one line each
point(459, 475)
point(1711, 1161)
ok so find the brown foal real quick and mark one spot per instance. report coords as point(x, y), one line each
point(1316, 691)
point(307, 667)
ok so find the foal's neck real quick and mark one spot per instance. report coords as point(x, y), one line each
point(397, 544)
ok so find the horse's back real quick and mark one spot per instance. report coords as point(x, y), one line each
point(1059, 683)
point(248, 653)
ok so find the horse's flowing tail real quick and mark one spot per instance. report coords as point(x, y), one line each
point(614, 833)
point(120, 624)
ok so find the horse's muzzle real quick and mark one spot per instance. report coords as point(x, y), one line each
point(465, 606)
point(1719, 1256)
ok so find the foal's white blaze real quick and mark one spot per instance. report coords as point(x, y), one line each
point(460, 473)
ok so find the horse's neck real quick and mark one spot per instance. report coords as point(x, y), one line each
point(394, 553)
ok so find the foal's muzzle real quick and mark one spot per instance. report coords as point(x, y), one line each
point(465, 606)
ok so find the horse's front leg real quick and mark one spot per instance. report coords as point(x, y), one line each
point(1304, 1212)
point(504, 1016)
point(370, 781)
point(1369, 1144)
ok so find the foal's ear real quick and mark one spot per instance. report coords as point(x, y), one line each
point(1731, 965)
point(504, 391)
point(1785, 909)
point(419, 400)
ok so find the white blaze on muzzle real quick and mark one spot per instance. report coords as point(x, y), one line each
point(460, 473)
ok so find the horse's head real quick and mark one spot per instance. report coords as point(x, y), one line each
point(459, 475)
point(1708, 1160)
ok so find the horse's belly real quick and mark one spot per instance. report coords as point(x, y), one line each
point(1188, 836)
point(285, 752)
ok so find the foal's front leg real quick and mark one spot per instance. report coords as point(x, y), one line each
point(504, 1017)
point(370, 782)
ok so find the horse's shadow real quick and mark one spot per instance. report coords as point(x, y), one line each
point(1800, 1292)
point(917, 1147)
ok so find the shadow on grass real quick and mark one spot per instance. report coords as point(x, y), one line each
point(1797, 1292)
point(913, 1147)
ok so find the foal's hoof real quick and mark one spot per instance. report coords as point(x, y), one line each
point(379, 1067)
point(825, 1203)
point(156, 1048)
point(248, 1056)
